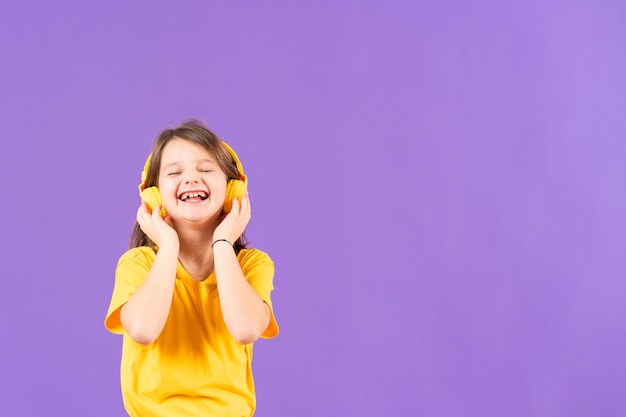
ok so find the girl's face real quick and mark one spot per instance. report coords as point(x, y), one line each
point(192, 184)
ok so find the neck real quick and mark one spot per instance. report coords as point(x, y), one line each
point(195, 252)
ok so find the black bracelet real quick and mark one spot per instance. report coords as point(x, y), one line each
point(221, 240)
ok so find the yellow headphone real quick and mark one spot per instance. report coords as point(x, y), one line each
point(235, 188)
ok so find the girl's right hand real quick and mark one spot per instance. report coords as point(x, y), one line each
point(160, 231)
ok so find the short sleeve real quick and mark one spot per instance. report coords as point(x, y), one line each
point(258, 268)
point(132, 270)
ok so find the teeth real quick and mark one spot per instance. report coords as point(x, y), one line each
point(200, 194)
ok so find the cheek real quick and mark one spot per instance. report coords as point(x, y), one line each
point(168, 189)
point(218, 184)
point(218, 190)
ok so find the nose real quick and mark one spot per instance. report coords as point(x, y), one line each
point(191, 179)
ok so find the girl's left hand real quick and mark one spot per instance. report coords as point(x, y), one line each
point(234, 224)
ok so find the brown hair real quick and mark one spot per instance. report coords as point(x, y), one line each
point(196, 132)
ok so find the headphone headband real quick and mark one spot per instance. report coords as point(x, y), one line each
point(238, 164)
point(144, 173)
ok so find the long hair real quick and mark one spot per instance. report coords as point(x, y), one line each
point(196, 132)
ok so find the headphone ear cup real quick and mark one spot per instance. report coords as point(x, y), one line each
point(234, 188)
point(152, 197)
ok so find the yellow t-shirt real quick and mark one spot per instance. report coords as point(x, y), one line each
point(195, 367)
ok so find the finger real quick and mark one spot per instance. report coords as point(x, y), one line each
point(245, 200)
point(142, 213)
point(157, 212)
point(143, 218)
point(141, 208)
point(235, 205)
point(245, 205)
point(168, 221)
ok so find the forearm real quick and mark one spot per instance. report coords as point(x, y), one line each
point(144, 315)
point(246, 315)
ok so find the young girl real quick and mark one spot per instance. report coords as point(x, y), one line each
point(189, 298)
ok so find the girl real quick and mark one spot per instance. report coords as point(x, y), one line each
point(189, 297)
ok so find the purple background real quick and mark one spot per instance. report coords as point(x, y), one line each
point(441, 185)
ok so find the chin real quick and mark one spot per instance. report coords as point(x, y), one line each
point(199, 217)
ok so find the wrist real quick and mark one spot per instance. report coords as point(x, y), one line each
point(221, 242)
point(170, 246)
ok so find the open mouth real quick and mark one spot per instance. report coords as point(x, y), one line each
point(193, 196)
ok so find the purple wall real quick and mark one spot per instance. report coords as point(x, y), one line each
point(441, 186)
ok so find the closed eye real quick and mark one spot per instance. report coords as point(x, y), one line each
point(172, 173)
